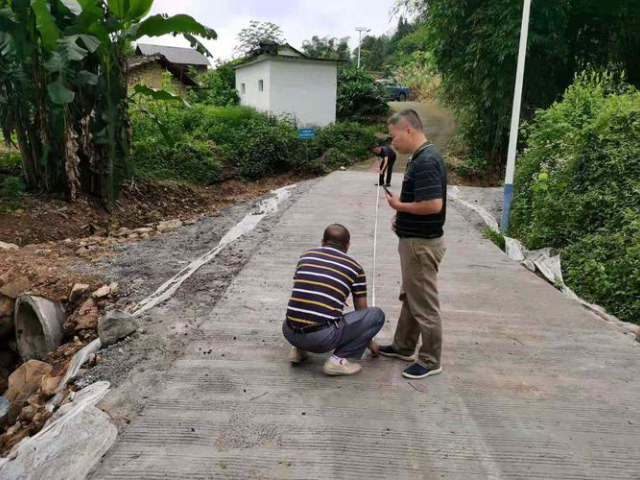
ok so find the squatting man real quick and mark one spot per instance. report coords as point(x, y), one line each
point(327, 275)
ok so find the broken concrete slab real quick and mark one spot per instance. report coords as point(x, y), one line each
point(69, 445)
point(115, 326)
point(78, 360)
point(38, 324)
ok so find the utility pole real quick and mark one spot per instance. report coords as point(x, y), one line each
point(515, 119)
point(360, 30)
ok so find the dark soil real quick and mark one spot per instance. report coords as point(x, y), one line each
point(42, 219)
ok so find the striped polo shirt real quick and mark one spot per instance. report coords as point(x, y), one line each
point(323, 280)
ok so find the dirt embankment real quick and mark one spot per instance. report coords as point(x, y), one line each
point(42, 219)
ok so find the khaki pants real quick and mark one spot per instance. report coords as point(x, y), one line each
point(420, 315)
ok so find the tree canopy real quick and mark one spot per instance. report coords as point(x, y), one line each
point(327, 47)
point(250, 38)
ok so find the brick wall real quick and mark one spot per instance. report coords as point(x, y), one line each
point(151, 76)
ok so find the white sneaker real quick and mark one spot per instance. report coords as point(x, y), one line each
point(345, 367)
point(297, 355)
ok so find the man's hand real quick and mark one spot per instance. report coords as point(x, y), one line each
point(393, 224)
point(394, 201)
point(382, 166)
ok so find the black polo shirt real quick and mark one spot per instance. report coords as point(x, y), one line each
point(425, 178)
point(388, 153)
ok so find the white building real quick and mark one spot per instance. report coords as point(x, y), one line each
point(280, 79)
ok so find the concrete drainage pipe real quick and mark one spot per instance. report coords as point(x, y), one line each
point(38, 324)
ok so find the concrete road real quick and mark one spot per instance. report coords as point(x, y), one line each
point(534, 387)
point(439, 126)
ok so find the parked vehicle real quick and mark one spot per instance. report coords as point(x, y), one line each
point(394, 91)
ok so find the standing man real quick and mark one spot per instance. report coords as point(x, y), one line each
point(324, 278)
point(387, 159)
point(418, 223)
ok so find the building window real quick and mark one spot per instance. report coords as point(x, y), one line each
point(243, 88)
point(261, 85)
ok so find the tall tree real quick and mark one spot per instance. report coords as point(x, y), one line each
point(475, 47)
point(327, 47)
point(250, 38)
point(63, 90)
point(374, 53)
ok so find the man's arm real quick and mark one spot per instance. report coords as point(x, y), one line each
point(360, 303)
point(425, 207)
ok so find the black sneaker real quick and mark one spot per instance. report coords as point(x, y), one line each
point(388, 185)
point(389, 351)
point(418, 371)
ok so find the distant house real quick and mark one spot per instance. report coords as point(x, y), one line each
point(280, 79)
point(150, 62)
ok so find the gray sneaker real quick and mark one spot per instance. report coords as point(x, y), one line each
point(345, 367)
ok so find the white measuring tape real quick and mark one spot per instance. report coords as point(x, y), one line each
point(375, 242)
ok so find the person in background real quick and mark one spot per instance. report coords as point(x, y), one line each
point(387, 159)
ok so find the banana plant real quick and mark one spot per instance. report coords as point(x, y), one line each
point(63, 90)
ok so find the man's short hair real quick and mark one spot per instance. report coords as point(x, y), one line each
point(338, 235)
point(410, 116)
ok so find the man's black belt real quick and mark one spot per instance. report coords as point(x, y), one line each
point(311, 328)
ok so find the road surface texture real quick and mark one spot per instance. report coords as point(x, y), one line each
point(533, 387)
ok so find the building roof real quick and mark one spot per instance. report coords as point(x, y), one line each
point(270, 51)
point(138, 61)
point(176, 55)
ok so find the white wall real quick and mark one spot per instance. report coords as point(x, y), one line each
point(308, 90)
point(250, 76)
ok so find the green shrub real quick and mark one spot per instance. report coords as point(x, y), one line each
point(495, 237)
point(10, 161)
point(605, 268)
point(258, 144)
point(352, 139)
point(360, 98)
point(217, 87)
point(578, 189)
point(190, 161)
point(11, 188)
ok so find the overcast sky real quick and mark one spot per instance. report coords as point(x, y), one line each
point(299, 19)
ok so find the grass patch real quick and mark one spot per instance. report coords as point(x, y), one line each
point(495, 237)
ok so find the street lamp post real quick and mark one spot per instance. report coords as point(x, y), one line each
point(515, 119)
point(360, 30)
